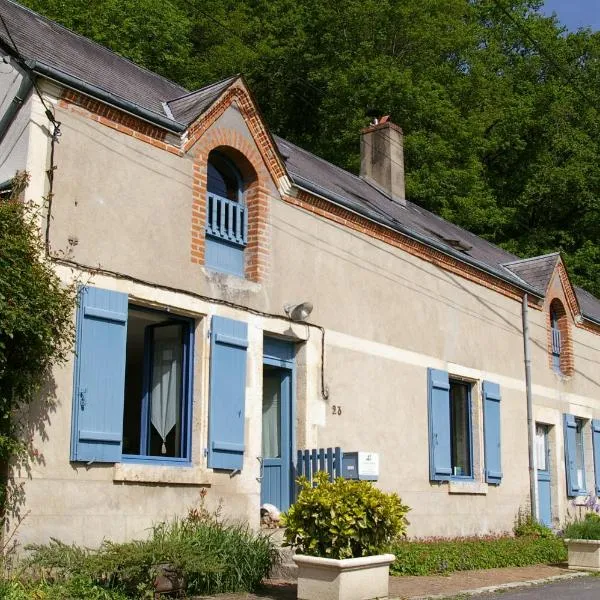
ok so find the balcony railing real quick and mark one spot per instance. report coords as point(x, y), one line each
point(226, 219)
point(555, 341)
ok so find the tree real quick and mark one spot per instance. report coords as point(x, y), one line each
point(36, 324)
point(497, 101)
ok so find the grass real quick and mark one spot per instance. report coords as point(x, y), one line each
point(434, 557)
point(207, 555)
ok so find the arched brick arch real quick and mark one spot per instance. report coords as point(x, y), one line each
point(563, 324)
point(256, 196)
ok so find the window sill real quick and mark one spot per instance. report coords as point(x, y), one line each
point(467, 487)
point(166, 474)
point(581, 499)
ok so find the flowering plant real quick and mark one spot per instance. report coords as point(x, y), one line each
point(587, 525)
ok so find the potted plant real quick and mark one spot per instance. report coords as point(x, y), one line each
point(340, 531)
point(582, 537)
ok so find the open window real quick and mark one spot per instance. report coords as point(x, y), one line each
point(226, 216)
point(157, 399)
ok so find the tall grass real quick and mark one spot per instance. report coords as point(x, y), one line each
point(209, 555)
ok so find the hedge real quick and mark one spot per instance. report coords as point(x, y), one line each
point(430, 557)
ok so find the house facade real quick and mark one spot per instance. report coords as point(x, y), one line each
point(198, 241)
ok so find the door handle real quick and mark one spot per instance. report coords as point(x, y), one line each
point(262, 467)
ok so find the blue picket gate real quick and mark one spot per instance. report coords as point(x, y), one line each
point(310, 462)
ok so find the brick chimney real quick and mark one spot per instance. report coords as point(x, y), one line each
point(382, 158)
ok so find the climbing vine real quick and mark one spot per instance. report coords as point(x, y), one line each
point(36, 332)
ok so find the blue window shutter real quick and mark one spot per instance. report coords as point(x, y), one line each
point(596, 442)
point(229, 344)
point(491, 432)
point(570, 426)
point(440, 459)
point(99, 388)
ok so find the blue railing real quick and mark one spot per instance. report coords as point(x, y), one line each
point(226, 219)
point(555, 341)
point(310, 462)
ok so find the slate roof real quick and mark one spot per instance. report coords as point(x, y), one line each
point(51, 44)
point(536, 271)
point(71, 55)
point(186, 109)
point(305, 168)
point(588, 303)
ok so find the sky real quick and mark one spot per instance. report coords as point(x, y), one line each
point(575, 13)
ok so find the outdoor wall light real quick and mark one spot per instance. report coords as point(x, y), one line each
point(298, 312)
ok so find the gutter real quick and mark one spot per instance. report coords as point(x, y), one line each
point(309, 186)
point(89, 89)
point(15, 105)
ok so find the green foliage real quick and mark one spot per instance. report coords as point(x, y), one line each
point(211, 556)
point(445, 556)
point(527, 526)
point(76, 588)
point(587, 528)
point(343, 519)
point(36, 325)
point(502, 132)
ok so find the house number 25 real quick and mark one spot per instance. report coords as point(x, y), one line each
point(336, 410)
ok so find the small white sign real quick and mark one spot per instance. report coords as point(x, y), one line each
point(368, 464)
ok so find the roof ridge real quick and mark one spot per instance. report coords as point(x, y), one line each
point(204, 88)
point(93, 42)
point(531, 259)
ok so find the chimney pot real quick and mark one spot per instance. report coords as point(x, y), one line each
point(382, 158)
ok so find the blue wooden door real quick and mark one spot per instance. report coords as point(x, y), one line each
point(543, 475)
point(277, 434)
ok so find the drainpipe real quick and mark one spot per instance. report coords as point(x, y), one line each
point(530, 423)
point(13, 108)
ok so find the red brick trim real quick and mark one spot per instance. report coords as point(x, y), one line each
point(117, 119)
point(256, 197)
point(567, 362)
point(237, 93)
point(342, 216)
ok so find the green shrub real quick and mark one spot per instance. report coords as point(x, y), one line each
point(77, 588)
point(211, 556)
point(587, 528)
point(343, 519)
point(527, 526)
point(444, 556)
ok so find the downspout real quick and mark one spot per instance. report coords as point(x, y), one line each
point(530, 423)
point(16, 103)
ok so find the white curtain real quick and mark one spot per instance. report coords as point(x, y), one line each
point(166, 380)
point(271, 416)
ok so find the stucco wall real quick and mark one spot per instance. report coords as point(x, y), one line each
point(388, 316)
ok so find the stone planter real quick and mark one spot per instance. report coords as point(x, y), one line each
point(584, 554)
point(364, 578)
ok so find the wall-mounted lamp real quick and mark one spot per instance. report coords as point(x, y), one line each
point(298, 312)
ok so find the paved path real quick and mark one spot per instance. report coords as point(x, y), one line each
point(582, 588)
point(423, 587)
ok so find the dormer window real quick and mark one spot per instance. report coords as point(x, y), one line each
point(226, 216)
point(559, 339)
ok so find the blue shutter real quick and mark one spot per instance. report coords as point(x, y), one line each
point(440, 459)
point(99, 388)
point(570, 426)
point(596, 442)
point(228, 349)
point(491, 432)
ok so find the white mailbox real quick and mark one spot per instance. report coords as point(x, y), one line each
point(360, 465)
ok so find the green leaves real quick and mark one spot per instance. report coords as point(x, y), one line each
point(36, 323)
point(343, 518)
